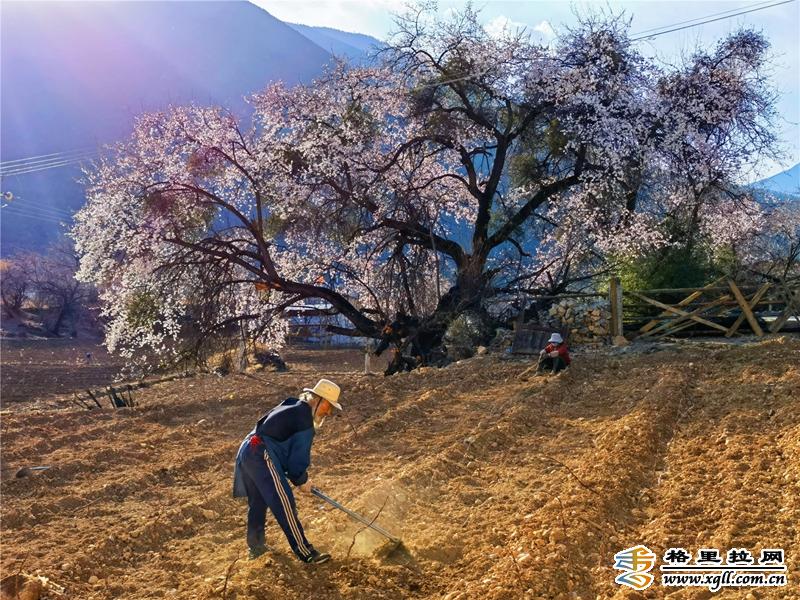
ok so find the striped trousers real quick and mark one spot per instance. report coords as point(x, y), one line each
point(267, 487)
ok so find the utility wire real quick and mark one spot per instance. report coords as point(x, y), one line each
point(33, 164)
point(54, 220)
point(47, 211)
point(667, 29)
point(724, 12)
point(44, 167)
point(43, 162)
point(52, 156)
point(46, 161)
point(743, 12)
point(39, 211)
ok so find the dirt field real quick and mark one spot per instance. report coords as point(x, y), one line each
point(33, 370)
point(500, 485)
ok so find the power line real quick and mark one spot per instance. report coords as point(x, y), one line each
point(46, 166)
point(724, 12)
point(46, 161)
point(47, 211)
point(43, 162)
point(674, 27)
point(32, 216)
point(54, 160)
point(743, 12)
point(52, 156)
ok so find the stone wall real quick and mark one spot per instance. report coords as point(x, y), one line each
point(587, 322)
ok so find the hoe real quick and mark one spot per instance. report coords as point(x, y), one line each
point(355, 515)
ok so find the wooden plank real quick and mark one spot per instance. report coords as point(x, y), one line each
point(688, 300)
point(674, 322)
point(781, 320)
point(753, 302)
point(679, 312)
point(746, 308)
point(675, 330)
point(615, 299)
point(786, 314)
point(709, 288)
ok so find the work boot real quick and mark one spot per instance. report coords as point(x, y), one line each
point(256, 551)
point(317, 557)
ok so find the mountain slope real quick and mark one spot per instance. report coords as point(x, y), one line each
point(74, 75)
point(355, 46)
point(786, 183)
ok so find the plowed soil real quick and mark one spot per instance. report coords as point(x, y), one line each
point(500, 484)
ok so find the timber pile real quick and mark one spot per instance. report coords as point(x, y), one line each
point(587, 322)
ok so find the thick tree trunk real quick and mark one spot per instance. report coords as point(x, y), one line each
point(422, 344)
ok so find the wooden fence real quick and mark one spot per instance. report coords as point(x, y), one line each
point(722, 307)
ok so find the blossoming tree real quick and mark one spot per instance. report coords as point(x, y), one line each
point(462, 171)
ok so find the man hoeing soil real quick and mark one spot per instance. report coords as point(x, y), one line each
point(276, 451)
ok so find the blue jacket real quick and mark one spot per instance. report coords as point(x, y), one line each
point(286, 433)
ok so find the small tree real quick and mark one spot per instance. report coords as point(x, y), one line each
point(56, 288)
point(15, 284)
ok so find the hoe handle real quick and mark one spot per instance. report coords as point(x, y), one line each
point(355, 515)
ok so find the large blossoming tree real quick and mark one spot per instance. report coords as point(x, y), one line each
point(463, 172)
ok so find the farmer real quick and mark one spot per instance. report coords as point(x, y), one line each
point(555, 355)
point(279, 448)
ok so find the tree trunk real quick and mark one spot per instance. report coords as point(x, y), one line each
point(423, 344)
point(54, 329)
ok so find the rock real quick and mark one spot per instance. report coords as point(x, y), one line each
point(24, 586)
point(481, 350)
point(209, 514)
point(93, 579)
point(556, 536)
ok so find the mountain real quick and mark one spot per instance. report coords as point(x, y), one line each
point(785, 185)
point(355, 46)
point(75, 74)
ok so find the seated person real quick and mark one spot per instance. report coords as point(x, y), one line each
point(555, 355)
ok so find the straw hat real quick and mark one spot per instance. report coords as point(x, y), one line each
point(328, 390)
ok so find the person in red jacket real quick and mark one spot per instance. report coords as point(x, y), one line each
point(555, 355)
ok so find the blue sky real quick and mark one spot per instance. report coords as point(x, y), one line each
point(780, 24)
